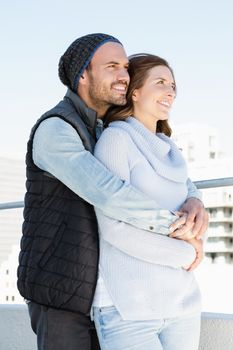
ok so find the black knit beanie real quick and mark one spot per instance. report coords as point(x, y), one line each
point(77, 57)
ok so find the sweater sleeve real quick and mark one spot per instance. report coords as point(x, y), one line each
point(144, 245)
point(193, 191)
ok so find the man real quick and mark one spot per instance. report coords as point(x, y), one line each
point(58, 261)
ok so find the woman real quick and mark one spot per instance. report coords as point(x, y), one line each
point(145, 298)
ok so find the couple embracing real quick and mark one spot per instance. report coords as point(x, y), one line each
point(112, 226)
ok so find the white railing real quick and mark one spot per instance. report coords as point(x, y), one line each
point(226, 181)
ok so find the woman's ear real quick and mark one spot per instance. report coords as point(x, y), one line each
point(135, 95)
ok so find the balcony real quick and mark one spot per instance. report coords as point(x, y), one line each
point(216, 328)
point(215, 232)
point(16, 333)
point(222, 219)
point(219, 244)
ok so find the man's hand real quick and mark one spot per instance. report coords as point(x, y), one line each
point(198, 246)
point(193, 221)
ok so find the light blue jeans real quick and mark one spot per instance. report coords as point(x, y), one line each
point(180, 333)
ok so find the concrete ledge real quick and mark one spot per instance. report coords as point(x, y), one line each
point(16, 333)
point(15, 328)
point(216, 332)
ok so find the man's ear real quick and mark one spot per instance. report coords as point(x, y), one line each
point(84, 78)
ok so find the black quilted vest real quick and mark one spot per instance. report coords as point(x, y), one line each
point(58, 261)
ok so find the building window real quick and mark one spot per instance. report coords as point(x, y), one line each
point(227, 212)
point(7, 272)
point(213, 213)
point(13, 298)
point(228, 227)
point(212, 141)
point(7, 298)
point(191, 156)
point(213, 257)
point(212, 155)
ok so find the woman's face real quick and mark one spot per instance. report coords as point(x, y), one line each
point(153, 101)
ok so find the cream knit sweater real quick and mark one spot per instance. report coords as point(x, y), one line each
point(141, 272)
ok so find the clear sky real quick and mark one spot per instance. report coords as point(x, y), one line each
point(196, 37)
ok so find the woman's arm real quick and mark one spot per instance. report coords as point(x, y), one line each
point(115, 150)
point(150, 247)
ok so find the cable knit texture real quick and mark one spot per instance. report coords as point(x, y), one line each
point(141, 272)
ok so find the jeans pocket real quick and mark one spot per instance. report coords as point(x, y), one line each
point(108, 315)
point(107, 309)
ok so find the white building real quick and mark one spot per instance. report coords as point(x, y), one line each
point(12, 179)
point(12, 189)
point(219, 203)
point(198, 142)
point(200, 146)
point(8, 272)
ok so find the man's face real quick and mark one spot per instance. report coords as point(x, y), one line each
point(107, 77)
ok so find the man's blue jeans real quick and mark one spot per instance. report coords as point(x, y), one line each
point(181, 333)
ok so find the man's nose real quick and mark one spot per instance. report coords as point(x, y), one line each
point(123, 75)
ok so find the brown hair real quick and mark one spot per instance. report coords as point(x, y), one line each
point(139, 66)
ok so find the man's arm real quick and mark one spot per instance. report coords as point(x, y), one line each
point(196, 217)
point(58, 149)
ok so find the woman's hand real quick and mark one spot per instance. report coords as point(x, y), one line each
point(198, 246)
point(189, 237)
